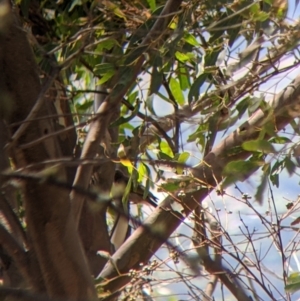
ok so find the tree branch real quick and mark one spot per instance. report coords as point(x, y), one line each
point(186, 112)
point(139, 248)
point(12, 220)
point(16, 252)
point(123, 80)
point(50, 225)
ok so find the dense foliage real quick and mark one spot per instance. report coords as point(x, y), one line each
point(189, 99)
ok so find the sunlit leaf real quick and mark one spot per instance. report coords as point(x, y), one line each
point(255, 8)
point(183, 157)
point(127, 163)
point(189, 38)
point(132, 98)
point(152, 4)
point(182, 57)
point(176, 91)
point(165, 148)
point(261, 16)
point(293, 282)
point(142, 171)
point(106, 77)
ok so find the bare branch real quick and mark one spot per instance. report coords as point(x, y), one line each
point(285, 107)
point(12, 220)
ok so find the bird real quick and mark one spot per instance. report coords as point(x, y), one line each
point(121, 229)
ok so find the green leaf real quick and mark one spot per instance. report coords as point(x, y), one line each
point(152, 4)
point(239, 170)
point(261, 188)
point(103, 68)
point(270, 2)
point(277, 167)
point(261, 16)
point(258, 145)
point(289, 165)
point(132, 98)
point(190, 39)
point(293, 282)
point(165, 148)
point(149, 182)
point(149, 104)
point(255, 8)
point(106, 44)
point(254, 104)
point(176, 91)
point(183, 78)
point(235, 30)
point(193, 137)
point(170, 187)
point(106, 77)
point(242, 106)
point(84, 106)
point(275, 179)
point(25, 7)
point(163, 156)
point(280, 140)
point(125, 78)
point(183, 157)
point(142, 171)
point(183, 57)
point(115, 9)
point(195, 88)
point(156, 80)
point(268, 128)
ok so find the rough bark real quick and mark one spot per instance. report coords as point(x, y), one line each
point(50, 225)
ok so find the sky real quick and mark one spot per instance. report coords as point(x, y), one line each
point(241, 220)
point(238, 218)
